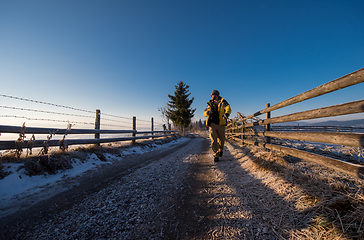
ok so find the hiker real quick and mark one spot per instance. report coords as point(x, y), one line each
point(217, 113)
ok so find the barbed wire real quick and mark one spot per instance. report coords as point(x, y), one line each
point(148, 125)
point(46, 103)
point(66, 114)
point(130, 125)
point(63, 106)
point(42, 111)
point(111, 125)
point(110, 115)
point(112, 120)
point(66, 121)
point(43, 119)
point(142, 120)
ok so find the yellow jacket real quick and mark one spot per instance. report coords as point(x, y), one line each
point(213, 113)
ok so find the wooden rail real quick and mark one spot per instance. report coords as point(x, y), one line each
point(6, 145)
point(239, 130)
point(348, 139)
point(343, 82)
point(325, 128)
point(34, 130)
point(336, 110)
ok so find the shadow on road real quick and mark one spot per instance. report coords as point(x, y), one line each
point(227, 201)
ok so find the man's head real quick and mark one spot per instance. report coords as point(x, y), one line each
point(215, 92)
point(215, 95)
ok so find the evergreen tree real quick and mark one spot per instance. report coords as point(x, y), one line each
point(179, 106)
point(200, 125)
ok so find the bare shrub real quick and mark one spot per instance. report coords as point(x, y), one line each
point(46, 164)
point(62, 144)
point(45, 148)
point(19, 142)
point(30, 145)
point(33, 167)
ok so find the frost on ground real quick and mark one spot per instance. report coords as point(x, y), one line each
point(346, 153)
point(19, 183)
point(331, 202)
point(251, 193)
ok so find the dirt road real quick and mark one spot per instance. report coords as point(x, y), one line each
point(177, 193)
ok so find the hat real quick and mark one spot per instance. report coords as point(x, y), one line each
point(215, 92)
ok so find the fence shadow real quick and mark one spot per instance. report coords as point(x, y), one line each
point(225, 201)
point(271, 216)
point(330, 197)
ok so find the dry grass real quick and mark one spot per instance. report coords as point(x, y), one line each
point(332, 202)
point(321, 228)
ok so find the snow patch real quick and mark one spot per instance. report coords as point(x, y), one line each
point(18, 184)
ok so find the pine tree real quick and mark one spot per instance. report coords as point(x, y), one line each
point(179, 106)
point(200, 125)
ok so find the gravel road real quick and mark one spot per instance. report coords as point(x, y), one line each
point(177, 193)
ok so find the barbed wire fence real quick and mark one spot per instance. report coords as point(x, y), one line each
point(110, 120)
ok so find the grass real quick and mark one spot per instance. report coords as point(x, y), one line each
point(332, 202)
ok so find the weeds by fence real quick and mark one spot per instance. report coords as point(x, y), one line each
point(254, 131)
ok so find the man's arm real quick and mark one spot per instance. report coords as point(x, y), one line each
point(227, 109)
point(207, 111)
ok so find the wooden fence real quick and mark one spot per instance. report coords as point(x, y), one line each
point(32, 143)
point(325, 128)
point(262, 132)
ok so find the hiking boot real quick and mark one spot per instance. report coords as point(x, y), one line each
point(216, 159)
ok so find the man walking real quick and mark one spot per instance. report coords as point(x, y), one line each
point(217, 112)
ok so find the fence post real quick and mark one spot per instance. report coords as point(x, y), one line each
point(134, 128)
point(152, 127)
point(244, 129)
point(267, 126)
point(97, 125)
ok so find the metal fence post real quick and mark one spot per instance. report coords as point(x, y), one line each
point(152, 127)
point(97, 125)
point(267, 126)
point(134, 128)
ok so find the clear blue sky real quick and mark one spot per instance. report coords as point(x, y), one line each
point(125, 57)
